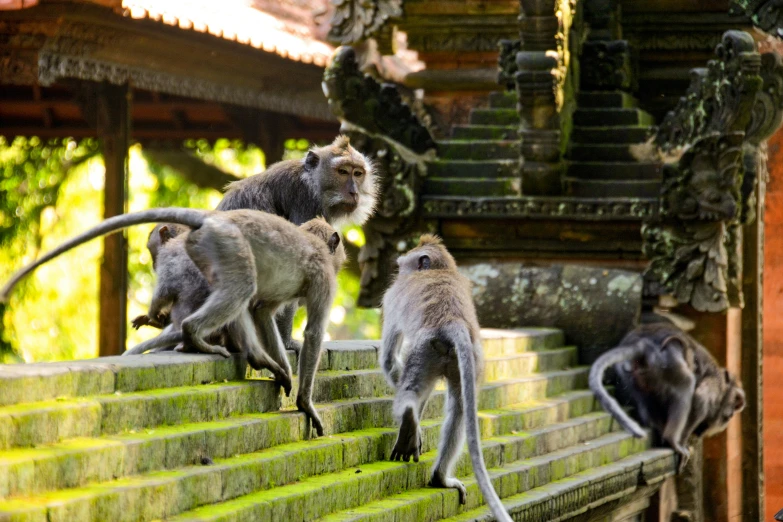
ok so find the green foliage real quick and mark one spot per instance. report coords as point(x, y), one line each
point(53, 190)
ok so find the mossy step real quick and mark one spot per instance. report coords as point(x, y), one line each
point(20, 383)
point(316, 497)
point(609, 117)
point(501, 342)
point(568, 456)
point(585, 490)
point(472, 187)
point(503, 100)
point(620, 171)
point(48, 422)
point(612, 188)
point(485, 132)
point(76, 462)
point(244, 474)
point(479, 149)
point(610, 135)
point(606, 99)
point(484, 168)
point(494, 117)
point(25, 383)
point(598, 152)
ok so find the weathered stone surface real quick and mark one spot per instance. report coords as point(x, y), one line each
point(594, 307)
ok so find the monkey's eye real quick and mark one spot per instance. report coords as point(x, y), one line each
point(343, 171)
point(358, 173)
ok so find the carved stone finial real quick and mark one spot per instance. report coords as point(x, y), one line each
point(507, 62)
point(720, 97)
point(377, 108)
point(606, 65)
point(357, 20)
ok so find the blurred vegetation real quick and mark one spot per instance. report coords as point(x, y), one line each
point(51, 190)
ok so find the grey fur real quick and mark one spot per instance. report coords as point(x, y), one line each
point(245, 255)
point(430, 330)
point(674, 383)
point(300, 190)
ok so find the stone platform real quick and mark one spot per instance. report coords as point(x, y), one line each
point(191, 437)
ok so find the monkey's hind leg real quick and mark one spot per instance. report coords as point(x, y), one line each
point(242, 332)
point(225, 258)
point(452, 438)
point(271, 341)
point(419, 375)
point(677, 420)
point(285, 325)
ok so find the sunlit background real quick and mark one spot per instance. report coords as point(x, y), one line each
point(51, 190)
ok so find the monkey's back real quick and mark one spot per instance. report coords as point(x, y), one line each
point(432, 298)
point(271, 191)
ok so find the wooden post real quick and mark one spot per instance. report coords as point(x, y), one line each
point(752, 353)
point(112, 111)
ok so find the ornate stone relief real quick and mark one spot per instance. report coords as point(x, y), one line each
point(507, 62)
point(598, 209)
point(383, 127)
point(606, 65)
point(357, 20)
point(767, 15)
point(730, 108)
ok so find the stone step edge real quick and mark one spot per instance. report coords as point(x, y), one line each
point(299, 461)
point(24, 383)
point(148, 409)
point(585, 490)
point(167, 448)
point(289, 502)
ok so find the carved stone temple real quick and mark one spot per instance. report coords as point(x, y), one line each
point(591, 164)
point(556, 145)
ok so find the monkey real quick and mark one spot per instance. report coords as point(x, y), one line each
point(430, 330)
point(247, 256)
point(335, 181)
point(674, 383)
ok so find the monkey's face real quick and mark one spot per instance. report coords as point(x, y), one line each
point(346, 180)
point(733, 402)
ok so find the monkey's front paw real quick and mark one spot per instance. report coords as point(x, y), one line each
point(409, 439)
point(140, 321)
point(306, 406)
point(439, 481)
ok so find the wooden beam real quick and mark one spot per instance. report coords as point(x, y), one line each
point(112, 113)
point(190, 167)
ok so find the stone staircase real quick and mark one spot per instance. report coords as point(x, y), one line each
point(481, 158)
point(601, 164)
point(190, 437)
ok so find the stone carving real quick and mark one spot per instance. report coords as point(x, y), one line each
point(598, 209)
point(606, 65)
point(730, 108)
point(689, 242)
point(383, 127)
point(507, 62)
point(720, 97)
point(357, 20)
point(767, 15)
point(376, 108)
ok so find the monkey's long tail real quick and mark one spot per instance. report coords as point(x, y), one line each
point(610, 404)
point(467, 371)
point(168, 337)
point(183, 216)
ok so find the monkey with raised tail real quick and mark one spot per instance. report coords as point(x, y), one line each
point(247, 256)
point(674, 383)
point(430, 330)
point(335, 181)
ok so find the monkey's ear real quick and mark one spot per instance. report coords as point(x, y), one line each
point(673, 339)
point(165, 234)
point(424, 262)
point(312, 160)
point(333, 242)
